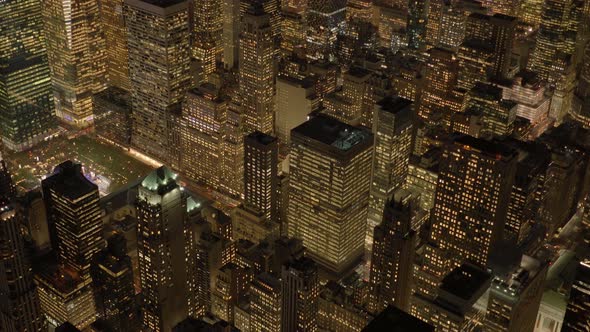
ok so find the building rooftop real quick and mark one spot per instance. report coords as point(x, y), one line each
point(68, 180)
point(164, 3)
point(330, 131)
point(492, 148)
point(159, 179)
point(465, 281)
point(394, 104)
point(261, 138)
point(393, 319)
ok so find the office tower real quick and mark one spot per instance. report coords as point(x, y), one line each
point(329, 188)
point(300, 289)
point(324, 18)
point(160, 76)
point(164, 256)
point(265, 304)
point(261, 174)
point(115, 36)
point(423, 177)
point(563, 95)
point(65, 297)
point(487, 48)
point(452, 24)
point(231, 284)
point(515, 297)
point(392, 263)
point(112, 115)
point(529, 93)
point(295, 100)
point(497, 114)
point(441, 74)
point(393, 316)
point(207, 33)
point(581, 107)
point(453, 309)
point(556, 39)
point(26, 96)
point(20, 307)
point(530, 12)
point(577, 315)
point(339, 309)
point(524, 199)
point(293, 37)
point(257, 70)
point(76, 52)
point(346, 105)
point(114, 292)
point(231, 33)
point(504, 7)
point(433, 25)
point(416, 26)
point(468, 219)
point(204, 113)
point(74, 214)
point(232, 164)
point(393, 128)
point(211, 253)
point(391, 21)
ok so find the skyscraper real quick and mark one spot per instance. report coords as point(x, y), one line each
point(159, 75)
point(577, 315)
point(204, 115)
point(19, 303)
point(115, 35)
point(257, 69)
point(393, 128)
point(556, 39)
point(207, 31)
point(114, 291)
point(474, 184)
point(515, 296)
point(329, 190)
point(74, 217)
point(392, 263)
point(265, 304)
point(165, 261)
point(300, 289)
point(76, 50)
point(26, 96)
point(261, 174)
point(441, 75)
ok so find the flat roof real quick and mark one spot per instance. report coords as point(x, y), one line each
point(332, 132)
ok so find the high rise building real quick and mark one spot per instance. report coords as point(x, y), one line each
point(340, 309)
point(231, 33)
point(300, 289)
point(487, 48)
point(346, 105)
point(497, 114)
point(257, 69)
point(207, 32)
point(470, 206)
point(26, 96)
point(441, 74)
point(530, 12)
point(392, 263)
point(165, 261)
point(76, 50)
point(232, 163)
point(261, 174)
point(19, 306)
point(204, 115)
point(114, 291)
point(294, 101)
point(556, 39)
point(115, 35)
point(324, 19)
point(265, 304)
point(416, 27)
point(577, 315)
point(74, 215)
point(329, 190)
point(454, 308)
point(515, 297)
point(160, 76)
point(394, 131)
